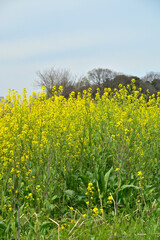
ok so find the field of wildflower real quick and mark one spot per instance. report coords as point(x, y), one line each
point(80, 168)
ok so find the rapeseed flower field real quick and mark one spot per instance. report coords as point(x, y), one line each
point(76, 163)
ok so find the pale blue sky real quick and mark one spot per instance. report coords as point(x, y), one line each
point(123, 35)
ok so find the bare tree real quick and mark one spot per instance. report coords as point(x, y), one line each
point(151, 76)
point(56, 77)
point(83, 83)
point(100, 76)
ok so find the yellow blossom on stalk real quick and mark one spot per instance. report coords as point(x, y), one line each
point(90, 187)
point(10, 180)
point(61, 89)
point(12, 170)
point(95, 210)
point(110, 199)
point(139, 173)
point(38, 188)
point(18, 173)
point(30, 195)
point(117, 169)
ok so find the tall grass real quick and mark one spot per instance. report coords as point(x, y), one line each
point(72, 167)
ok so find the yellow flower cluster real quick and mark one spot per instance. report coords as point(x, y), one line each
point(96, 210)
point(117, 169)
point(90, 188)
point(110, 199)
point(89, 192)
point(40, 134)
point(140, 175)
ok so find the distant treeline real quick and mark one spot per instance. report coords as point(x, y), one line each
point(97, 78)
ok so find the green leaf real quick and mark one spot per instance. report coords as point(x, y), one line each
point(158, 210)
point(129, 186)
point(21, 209)
point(106, 177)
point(70, 193)
point(53, 206)
point(46, 202)
point(46, 225)
point(50, 205)
point(54, 197)
point(2, 225)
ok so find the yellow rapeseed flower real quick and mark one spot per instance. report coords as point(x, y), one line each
point(95, 210)
point(110, 199)
point(139, 173)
